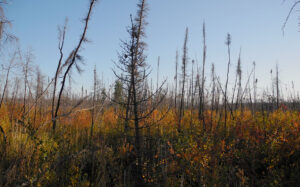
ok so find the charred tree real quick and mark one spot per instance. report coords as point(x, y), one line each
point(201, 88)
point(134, 72)
point(73, 59)
point(228, 42)
point(184, 74)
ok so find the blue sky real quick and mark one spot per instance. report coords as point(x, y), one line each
point(255, 26)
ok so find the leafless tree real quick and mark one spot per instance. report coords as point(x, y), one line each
point(228, 42)
point(213, 92)
point(8, 70)
point(139, 103)
point(13, 99)
point(202, 86)
point(73, 59)
point(157, 76)
point(26, 70)
point(254, 88)
point(93, 111)
point(239, 84)
point(38, 91)
point(192, 95)
point(62, 34)
point(176, 80)
point(184, 75)
point(277, 88)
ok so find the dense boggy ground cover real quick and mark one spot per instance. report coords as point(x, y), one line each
point(253, 149)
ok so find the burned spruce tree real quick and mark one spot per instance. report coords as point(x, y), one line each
point(228, 42)
point(239, 99)
point(202, 85)
point(138, 104)
point(72, 61)
point(176, 81)
point(184, 75)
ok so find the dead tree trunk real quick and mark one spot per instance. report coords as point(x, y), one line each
point(277, 88)
point(213, 95)
point(7, 78)
point(184, 66)
point(228, 42)
point(132, 63)
point(176, 80)
point(62, 34)
point(202, 103)
point(72, 60)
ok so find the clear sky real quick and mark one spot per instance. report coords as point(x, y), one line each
point(255, 26)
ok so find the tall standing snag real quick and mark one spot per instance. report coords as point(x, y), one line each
point(62, 34)
point(183, 68)
point(176, 78)
point(201, 88)
point(228, 42)
point(277, 88)
point(239, 89)
point(72, 60)
point(213, 91)
point(8, 70)
point(134, 74)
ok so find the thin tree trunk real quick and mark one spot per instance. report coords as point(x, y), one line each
point(176, 79)
point(184, 64)
point(213, 95)
point(71, 61)
point(60, 47)
point(228, 42)
point(6, 81)
point(277, 88)
point(202, 103)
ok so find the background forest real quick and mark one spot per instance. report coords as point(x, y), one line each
point(190, 130)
